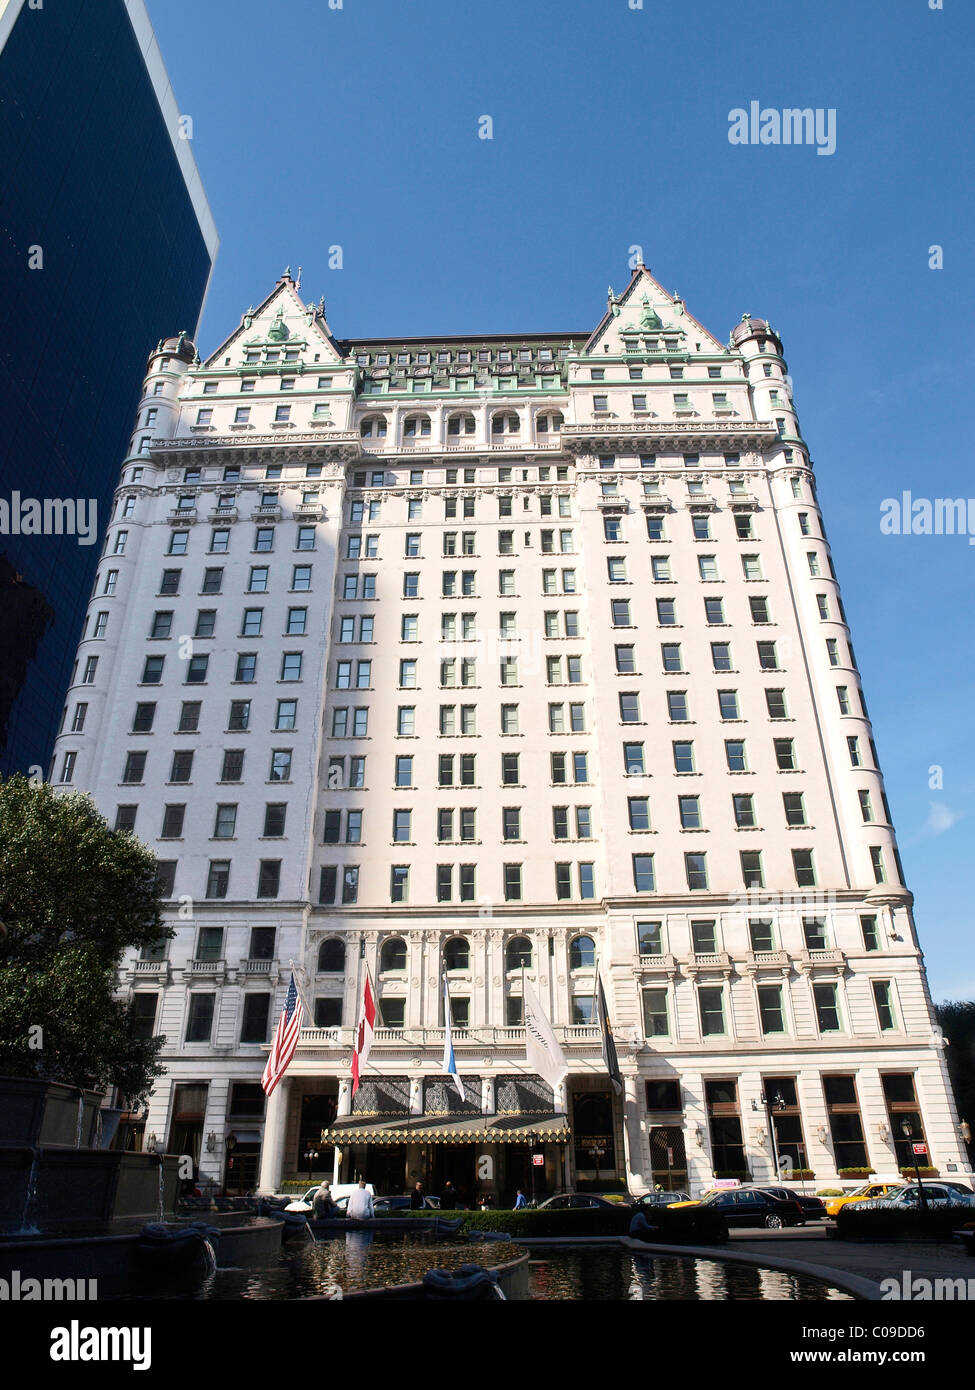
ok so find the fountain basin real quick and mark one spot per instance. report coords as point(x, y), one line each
point(46, 1113)
point(75, 1188)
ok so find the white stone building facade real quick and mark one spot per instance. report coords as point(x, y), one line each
point(502, 656)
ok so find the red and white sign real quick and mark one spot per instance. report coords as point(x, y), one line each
point(920, 1148)
point(538, 1160)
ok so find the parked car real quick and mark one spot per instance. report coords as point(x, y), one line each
point(341, 1192)
point(747, 1206)
point(575, 1201)
point(660, 1199)
point(813, 1208)
point(863, 1193)
point(936, 1194)
point(398, 1204)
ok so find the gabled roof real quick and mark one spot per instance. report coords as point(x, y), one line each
point(285, 296)
point(642, 279)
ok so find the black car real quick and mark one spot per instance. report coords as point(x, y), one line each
point(390, 1205)
point(574, 1201)
point(746, 1206)
point(813, 1208)
point(659, 1199)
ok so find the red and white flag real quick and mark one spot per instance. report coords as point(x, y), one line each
point(285, 1038)
point(363, 1034)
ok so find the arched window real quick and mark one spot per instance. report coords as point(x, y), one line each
point(582, 953)
point(393, 954)
point(416, 427)
point(462, 424)
point(505, 424)
point(331, 957)
point(548, 424)
point(518, 953)
point(374, 427)
point(457, 954)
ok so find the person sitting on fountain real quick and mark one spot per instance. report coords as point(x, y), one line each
point(360, 1206)
point(323, 1205)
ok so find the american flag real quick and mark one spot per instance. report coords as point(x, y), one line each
point(285, 1038)
point(363, 1033)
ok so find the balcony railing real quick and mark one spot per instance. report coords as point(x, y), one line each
point(433, 1037)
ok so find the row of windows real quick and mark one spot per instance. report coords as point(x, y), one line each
point(772, 1010)
point(705, 939)
point(657, 1007)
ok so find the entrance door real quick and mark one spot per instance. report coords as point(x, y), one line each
point(668, 1161)
point(456, 1162)
point(386, 1169)
point(594, 1138)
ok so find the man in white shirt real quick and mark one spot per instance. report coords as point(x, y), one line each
point(360, 1206)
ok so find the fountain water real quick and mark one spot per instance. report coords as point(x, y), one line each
point(28, 1223)
point(162, 1196)
point(81, 1116)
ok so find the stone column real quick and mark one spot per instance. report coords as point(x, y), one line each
point(345, 1098)
point(487, 1095)
point(633, 1136)
point(272, 1151)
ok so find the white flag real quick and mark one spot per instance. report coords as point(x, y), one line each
point(545, 1056)
point(449, 1061)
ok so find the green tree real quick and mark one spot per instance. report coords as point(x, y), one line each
point(957, 1020)
point(74, 896)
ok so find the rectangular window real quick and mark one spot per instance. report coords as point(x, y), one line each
point(883, 999)
point(827, 1008)
point(643, 876)
point(711, 1006)
point(656, 1023)
point(871, 934)
point(696, 871)
point(770, 1009)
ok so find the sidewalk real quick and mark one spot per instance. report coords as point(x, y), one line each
point(870, 1260)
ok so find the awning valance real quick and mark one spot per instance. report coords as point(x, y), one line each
point(441, 1129)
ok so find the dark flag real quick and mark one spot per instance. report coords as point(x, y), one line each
point(609, 1046)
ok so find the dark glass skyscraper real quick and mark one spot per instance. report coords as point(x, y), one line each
point(106, 243)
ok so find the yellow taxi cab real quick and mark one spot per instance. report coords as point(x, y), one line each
point(862, 1194)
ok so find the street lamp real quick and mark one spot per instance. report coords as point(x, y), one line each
point(907, 1129)
point(778, 1104)
point(311, 1157)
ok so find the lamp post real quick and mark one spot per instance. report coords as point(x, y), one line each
point(779, 1104)
point(311, 1157)
point(907, 1129)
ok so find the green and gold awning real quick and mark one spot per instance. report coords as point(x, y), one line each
point(441, 1129)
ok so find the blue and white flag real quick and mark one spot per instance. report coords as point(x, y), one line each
point(449, 1067)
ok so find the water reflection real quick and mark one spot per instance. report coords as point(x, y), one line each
point(607, 1276)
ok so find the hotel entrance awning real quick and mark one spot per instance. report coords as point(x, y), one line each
point(441, 1129)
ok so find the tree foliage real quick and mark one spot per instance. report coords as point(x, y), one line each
point(74, 897)
point(957, 1021)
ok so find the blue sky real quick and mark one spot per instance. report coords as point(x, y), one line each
point(357, 127)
